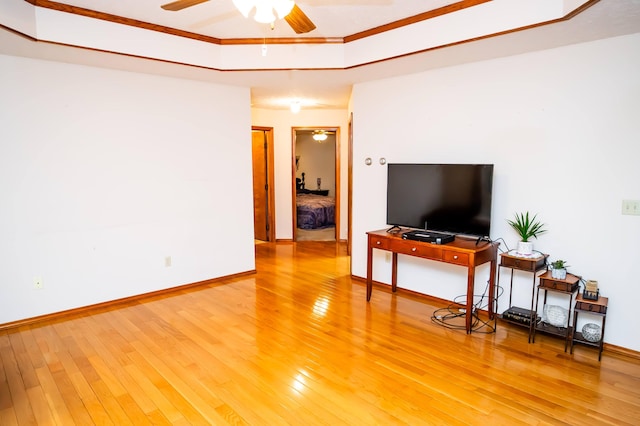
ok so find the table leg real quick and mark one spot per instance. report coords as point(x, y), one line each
point(470, 285)
point(568, 332)
point(534, 313)
point(492, 290)
point(573, 331)
point(604, 319)
point(394, 272)
point(533, 325)
point(369, 270)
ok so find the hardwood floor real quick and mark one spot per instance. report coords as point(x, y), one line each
point(326, 234)
point(298, 344)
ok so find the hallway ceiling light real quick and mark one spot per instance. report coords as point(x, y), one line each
point(265, 9)
point(319, 135)
point(295, 107)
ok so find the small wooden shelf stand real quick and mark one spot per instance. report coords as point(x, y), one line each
point(533, 265)
point(568, 286)
point(593, 307)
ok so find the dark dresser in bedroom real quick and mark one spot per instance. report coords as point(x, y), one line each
point(313, 191)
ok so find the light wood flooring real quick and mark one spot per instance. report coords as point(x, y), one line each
point(326, 234)
point(298, 344)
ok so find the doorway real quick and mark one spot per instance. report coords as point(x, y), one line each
point(263, 194)
point(316, 183)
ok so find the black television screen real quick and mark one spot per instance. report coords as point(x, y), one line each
point(452, 198)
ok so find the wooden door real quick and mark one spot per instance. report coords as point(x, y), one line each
point(260, 185)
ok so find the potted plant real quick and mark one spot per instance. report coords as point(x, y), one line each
point(527, 227)
point(559, 269)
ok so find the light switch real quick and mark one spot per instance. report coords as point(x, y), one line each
point(631, 207)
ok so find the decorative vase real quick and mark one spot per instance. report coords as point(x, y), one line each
point(591, 332)
point(559, 274)
point(555, 315)
point(525, 247)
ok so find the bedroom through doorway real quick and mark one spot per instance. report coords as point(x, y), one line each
point(316, 184)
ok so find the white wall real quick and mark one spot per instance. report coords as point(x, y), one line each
point(104, 174)
point(282, 123)
point(561, 127)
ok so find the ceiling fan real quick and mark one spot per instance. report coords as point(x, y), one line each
point(297, 20)
point(321, 135)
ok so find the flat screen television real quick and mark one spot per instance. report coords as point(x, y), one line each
point(451, 198)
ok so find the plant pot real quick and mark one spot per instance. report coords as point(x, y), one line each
point(559, 274)
point(525, 247)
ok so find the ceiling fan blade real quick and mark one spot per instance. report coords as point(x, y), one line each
point(299, 21)
point(181, 4)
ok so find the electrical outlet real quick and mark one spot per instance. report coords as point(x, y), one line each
point(38, 284)
point(167, 261)
point(631, 207)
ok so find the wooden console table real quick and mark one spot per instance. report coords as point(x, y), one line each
point(460, 252)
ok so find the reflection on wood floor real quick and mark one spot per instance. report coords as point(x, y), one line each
point(298, 344)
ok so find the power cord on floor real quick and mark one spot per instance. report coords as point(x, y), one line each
point(449, 316)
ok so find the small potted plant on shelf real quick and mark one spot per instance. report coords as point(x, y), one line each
point(559, 269)
point(527, 227)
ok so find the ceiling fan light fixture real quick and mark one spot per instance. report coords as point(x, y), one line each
point(264, 13)
point(282, 7)
point(264, 9)
point(319, 135)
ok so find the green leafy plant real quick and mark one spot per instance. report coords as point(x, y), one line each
point(527, 227)
point(559, 264)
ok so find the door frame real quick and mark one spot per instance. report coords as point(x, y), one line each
point(349, 187)
point(294, 215)
point(271, 199)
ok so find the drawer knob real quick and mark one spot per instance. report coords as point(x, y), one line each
point(378, 242)
point(455, 257)
point(413, 249)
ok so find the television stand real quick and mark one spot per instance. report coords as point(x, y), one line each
point(460, 252)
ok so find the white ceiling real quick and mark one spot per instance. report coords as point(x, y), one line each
point(326, 88)
point(220, 18)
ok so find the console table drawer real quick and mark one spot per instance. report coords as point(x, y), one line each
point(457, 258)
point(380, 243)
point(421, 250)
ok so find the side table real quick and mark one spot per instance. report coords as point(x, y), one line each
point(593, 307)
point(568, 286)
point(533, 264)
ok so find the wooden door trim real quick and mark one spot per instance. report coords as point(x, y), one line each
point(271, 199)
point(337, 180)
point(294, 209)
point(294, 215)
point(350, 187)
